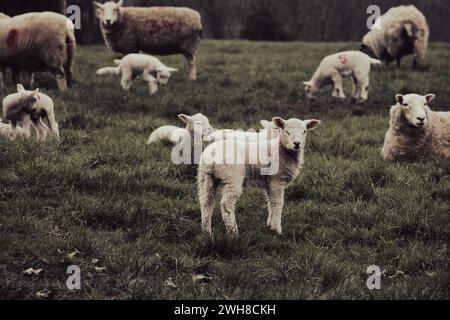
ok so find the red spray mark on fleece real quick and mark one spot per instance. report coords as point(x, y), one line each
point(11, 40)
point(343, 58)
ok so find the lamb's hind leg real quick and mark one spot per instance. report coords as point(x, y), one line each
point(230, 195)
point(206, 191)
point(191, 60)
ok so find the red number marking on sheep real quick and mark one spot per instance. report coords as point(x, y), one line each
point(343, 58)
point(11, 40)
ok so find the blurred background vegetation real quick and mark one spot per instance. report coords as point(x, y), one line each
point(274, 20)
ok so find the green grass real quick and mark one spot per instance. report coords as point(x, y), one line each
point(104, 193)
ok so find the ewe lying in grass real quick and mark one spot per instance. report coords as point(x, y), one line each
point(340, 65)
point(415, 131)
point(269, 165)
point(134, 66)
point(197, 128)
point(30, 108)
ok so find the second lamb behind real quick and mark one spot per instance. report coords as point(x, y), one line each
point(134, 66)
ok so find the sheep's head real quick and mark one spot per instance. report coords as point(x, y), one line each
point(163, 74)
point(293, 132)
point(311, 90)
point(197, 124)
point(414, 108)
point(28, 99)
point(108, 13)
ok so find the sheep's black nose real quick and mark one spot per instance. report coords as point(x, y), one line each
point(297, 145)
point(421, 119)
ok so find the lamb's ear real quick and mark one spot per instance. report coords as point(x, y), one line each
point(399, 98)
point(279, 122)
point(185, 118)
point(120, 3)
point(265, 124)
point(98, 5)
point(312, 124)
point(307, 83)
point(430, 97)
point(170, 69)
point(20, 88)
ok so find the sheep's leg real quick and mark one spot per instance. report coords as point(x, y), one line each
point(26, 123)
point(127, 79)
point(152, 82)
point(60, 76)
point(206, 192)
point(269, 208)
point(338, 88)
point(43, 129)
point(399, 61)
point(2, 72)
point(25, 78)
point(415, 63)
point(276, 197)
point(230, 195)
point(191, 60)
point(356, 91)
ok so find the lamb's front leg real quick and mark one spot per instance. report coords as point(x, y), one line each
point(338, 88)
point(269, 208)
point(152, 82)
point(276, 197)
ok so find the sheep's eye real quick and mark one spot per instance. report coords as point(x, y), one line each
point(426, 104)
point(405, 104)
point(304, 131)
point(288, 133)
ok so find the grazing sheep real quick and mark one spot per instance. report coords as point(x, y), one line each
point(7, 132)
point(177, 135)
point(271, 131)
point(135, 65)
point(155, 30)
point(38, 41)
point(333, 68)
point(31, 108)
point(229, 166)
point(416, 132)
point(401, 31)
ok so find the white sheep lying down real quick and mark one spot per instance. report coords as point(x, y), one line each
point(31, 108)
point(333, 68)
point(154, 30)
point(401, 31)
point(134, 66)
point(416, 132)
point(269, 165)
point(197, 128)
point(7, 131)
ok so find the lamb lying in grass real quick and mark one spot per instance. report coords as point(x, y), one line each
point(134, 66)
point(271, 131)
point(416, 132)
point(176, 135)
point(333, 68)
point(7, 132)
point(31, 108)
point(230, 165)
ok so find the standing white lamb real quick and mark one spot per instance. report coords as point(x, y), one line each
point(177, 135)
point(155, 30)
point(333, 68)
point(229, 166)
point(135, 65)
point(401, 31)
point(31, 108)
point(415, 131)
point(38, 41)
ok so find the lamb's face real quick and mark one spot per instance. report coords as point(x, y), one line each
point(414, 108)
point(108, 13)
point(163, 75)
point(27, 99)
point(198, 123)
point(310, 90)
point(294, 131)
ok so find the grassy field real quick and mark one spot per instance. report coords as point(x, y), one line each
point(102, 194)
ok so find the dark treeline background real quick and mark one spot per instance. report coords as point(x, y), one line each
point(281, 20)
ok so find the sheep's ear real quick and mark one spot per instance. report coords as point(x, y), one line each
point(185, 118)
point(312, 124)
point(307, 83)
point(120, 3)
point(430, 97)
point(399, 98)
point(265, 124)
point(20, 88)
point(98, 5)
point(279, 122)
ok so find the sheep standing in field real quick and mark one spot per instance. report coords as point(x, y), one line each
point(340, 65)
point(31, 108)
point(177, 135)
point(399, 32)
point(155, 30)
point(415, 131)
point(38, 41)
point(269, 165)
point(134, 66)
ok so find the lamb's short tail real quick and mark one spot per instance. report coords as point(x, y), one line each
point(375, 61)
point(206, 194)
point(108, 70)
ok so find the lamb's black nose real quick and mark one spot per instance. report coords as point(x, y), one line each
point(421, 119)
point(297, 145)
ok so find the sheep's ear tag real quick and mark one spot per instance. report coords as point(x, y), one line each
point(399, 98)
point(430, 97)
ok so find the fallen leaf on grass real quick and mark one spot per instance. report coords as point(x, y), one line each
point(42, 294)
point(100, 269)
point(169, 283)
point(200, 277)
point(31, 271)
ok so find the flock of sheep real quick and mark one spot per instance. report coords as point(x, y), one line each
point(37, 42)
